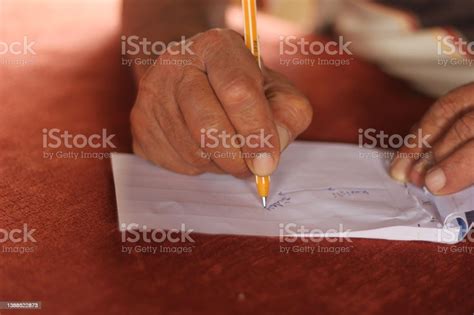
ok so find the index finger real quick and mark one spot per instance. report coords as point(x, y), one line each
point(239, 85)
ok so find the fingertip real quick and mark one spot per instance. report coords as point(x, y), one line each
point(399, 169)
point(417, 178)
point(435, 180)
point(263, 164)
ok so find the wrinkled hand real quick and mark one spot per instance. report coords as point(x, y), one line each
point(220, 88)
point(447, 165)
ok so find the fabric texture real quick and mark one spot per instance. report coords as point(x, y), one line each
point(75, 82)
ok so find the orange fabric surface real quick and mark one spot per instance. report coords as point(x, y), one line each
point(75, 82)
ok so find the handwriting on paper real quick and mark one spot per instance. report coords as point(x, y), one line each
point(283, 200)
point(338, 193)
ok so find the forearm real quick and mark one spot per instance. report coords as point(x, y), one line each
point(168, 20)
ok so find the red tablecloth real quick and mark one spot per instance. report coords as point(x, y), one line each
point(75, 82)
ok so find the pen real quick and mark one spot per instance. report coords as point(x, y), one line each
point(249, 8)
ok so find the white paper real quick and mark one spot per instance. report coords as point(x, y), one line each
point(319, 189)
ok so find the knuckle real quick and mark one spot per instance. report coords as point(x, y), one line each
point(210, 120)
point(436, 120)
point(221, 34)
point(242, 89)
point(446, 106)
point(232, 35)
point(196, 159)
point(148, 92)
point(215, 36)
point(189, 76)
point(299, 112)
point(254, 129)
point(461, 163)
point(464, 128)
point(304, 109)
point(214, 32)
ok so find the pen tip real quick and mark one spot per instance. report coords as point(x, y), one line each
point(264, 202)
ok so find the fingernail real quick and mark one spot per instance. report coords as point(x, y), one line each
point(435, 180)
point(263, 164)
point(421, 166)
point(399, 169)
point(426, 161)
point(284, 136)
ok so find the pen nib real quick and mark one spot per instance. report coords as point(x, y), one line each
point(264, 202)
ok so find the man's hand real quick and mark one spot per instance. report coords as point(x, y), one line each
point(218, 87)
point(447, 165)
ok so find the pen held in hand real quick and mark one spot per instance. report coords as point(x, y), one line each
point(249, 8)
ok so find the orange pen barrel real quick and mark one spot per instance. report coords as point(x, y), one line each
point(263, 185)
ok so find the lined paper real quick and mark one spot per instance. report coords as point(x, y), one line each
point(324, 188)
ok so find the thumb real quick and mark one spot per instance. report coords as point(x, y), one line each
point(454, 173)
